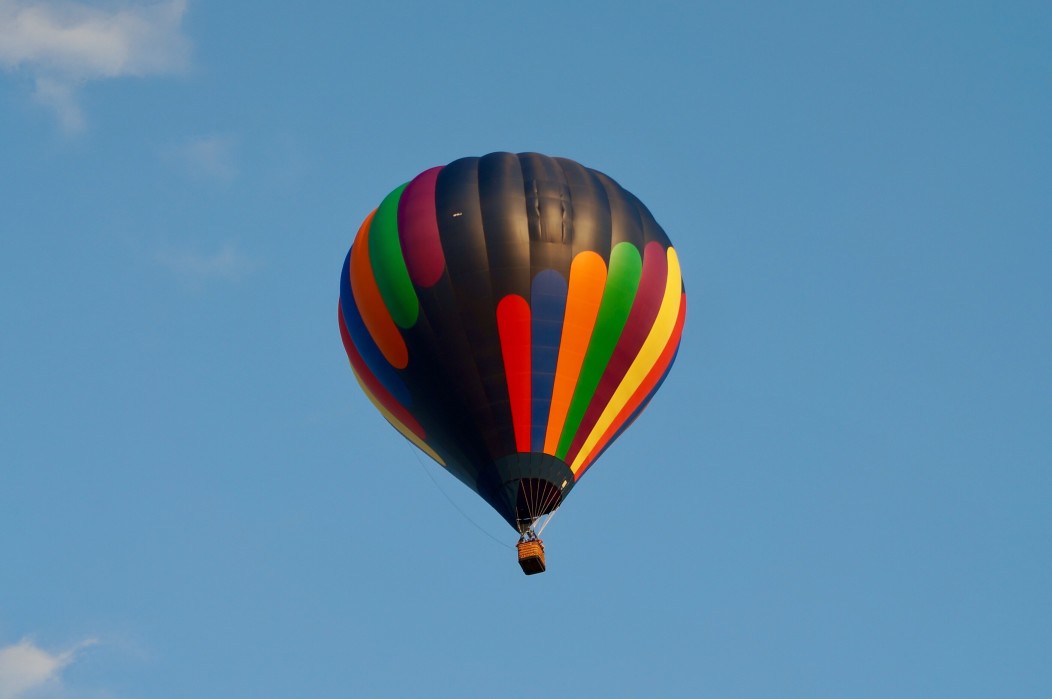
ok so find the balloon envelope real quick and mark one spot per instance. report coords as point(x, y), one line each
point(511, 315)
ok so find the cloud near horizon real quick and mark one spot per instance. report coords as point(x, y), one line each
point(25, 667)
point(63, 45)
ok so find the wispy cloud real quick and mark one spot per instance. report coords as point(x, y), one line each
point(60, 96)
point(63, 45)
point(226, 264)
point(208, 157)
point(25, 667)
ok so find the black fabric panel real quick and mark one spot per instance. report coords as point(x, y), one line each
point(625, 224)
point(505, 226)
point(460, 226)
point(454, 371)
point(439, 404)
point(549, 208)
point(547, 199)
point(591, 209)
point(651, 230)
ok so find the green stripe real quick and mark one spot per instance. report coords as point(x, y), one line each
point(626, 266)
point(385, 253)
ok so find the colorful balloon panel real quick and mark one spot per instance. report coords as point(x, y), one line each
point(511, 315)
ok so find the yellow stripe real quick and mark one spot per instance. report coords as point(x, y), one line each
point(648, 355)
point(396, 423)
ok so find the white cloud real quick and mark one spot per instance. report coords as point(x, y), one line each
point(62, 45)
point(228, 263)
point(25, 667)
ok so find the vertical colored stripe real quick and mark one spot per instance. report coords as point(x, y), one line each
point(645, 361)
point(385, 254)
point(371, 305)
point(363, 341)
point(587, 281)
point(640, 321)
point(374, 387)
point(513, 324)
point(643, 394)
point(406, 432)
point(548, 305)
point(418, 230)
point(625, 268)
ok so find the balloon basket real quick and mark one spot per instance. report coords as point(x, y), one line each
point(531, 556)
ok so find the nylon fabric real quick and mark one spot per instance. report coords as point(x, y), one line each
point(626, 266)
point(511, 315)
point(645, 359)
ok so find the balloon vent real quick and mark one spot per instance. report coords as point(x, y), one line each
point(531, 556)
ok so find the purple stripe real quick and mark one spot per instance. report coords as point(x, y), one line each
point(418, 230)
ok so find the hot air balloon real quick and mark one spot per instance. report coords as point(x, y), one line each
point(511, 316)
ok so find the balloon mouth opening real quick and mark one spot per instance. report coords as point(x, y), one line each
point(535, 498)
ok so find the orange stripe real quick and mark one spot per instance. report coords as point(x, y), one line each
point(370, 303)
point(587, 281)
point(373, 385)
point(643, 391)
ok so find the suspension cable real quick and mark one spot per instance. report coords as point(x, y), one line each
point(548, 521)
point(552, 498)
point(416, 455)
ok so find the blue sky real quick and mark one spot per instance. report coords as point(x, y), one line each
point(841, 491)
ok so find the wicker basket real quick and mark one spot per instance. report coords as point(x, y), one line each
point(531, 556)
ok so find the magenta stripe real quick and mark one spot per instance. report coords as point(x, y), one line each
point(641, 318)
point(418, 230)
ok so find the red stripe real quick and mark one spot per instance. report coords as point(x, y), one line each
point(375, 387)
point(644, 390)
point(513, 323)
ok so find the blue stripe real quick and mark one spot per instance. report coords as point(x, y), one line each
point(548, 307)
point(374, 359)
